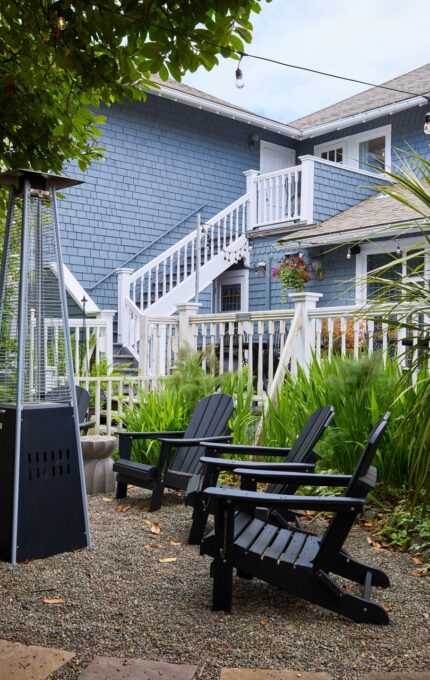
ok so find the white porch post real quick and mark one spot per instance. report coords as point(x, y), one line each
point(123, 274)
point(108, 315)
point(306, 338)
point(307, 194)
point(251, 190)
point(185, 331)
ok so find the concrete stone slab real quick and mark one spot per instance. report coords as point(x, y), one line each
point(22, 662)
point(398, 675)
point(107, 668)
point(260, 674)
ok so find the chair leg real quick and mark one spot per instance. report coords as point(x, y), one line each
point(121, 490)
point(356, 571)
point(156, 498)
point(222, 592)
point(199, 521)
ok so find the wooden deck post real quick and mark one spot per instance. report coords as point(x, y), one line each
point(305, 343)
point(123, 274)
point(185, 331)
point(251, 190)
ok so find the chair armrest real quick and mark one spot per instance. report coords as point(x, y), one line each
point(126, 439)
point(322, 503)
point(244, 450)
point(152, 435)
point(87, 424)
point(193, 442)
point(302, 478)
point(227, 464)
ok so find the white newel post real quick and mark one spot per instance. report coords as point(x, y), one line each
point(251, 190)
point(307, 192)
point(144, 346)
point(305, 344)
point(108, 315)
point(123, 274)
point(185, 331)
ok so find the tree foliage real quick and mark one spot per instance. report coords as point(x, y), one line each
point(52, 81)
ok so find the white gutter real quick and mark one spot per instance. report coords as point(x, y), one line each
point(356, 236)
point(226, 111)
point(281, 128)
point(358, 118)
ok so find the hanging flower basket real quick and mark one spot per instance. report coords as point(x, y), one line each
point(292, 273)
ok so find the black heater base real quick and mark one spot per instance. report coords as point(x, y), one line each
point(51, 517)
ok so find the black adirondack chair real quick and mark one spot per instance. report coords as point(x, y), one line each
point(290, 558)
point(209, 421)
point(83, 402)
point(299, 458)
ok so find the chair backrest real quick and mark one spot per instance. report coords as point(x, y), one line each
point(362, 481)
point(63, 394)
point(83, 399)
point(302, 449)
point(210, 419)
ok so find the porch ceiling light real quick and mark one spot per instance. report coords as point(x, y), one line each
point(427, 123)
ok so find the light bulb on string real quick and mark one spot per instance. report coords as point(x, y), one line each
point(398, 249)
point(348, 254)
point(427, 119)
point(239, 75)
point(61, 19)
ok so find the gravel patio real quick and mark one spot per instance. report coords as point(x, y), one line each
point(119, 599)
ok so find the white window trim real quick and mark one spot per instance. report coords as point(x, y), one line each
point(379, 249)
point(351, 144)
point(230, 277)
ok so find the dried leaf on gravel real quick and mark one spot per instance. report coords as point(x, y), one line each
point(366, 523)
point(107, 500)
point(155, 528)
point(420, 574)
point(123, 508)
point(144, 508)
point(374, 544)
point(53, 600)
point(147, 521)
point(165, 560)
point(417, 560)
point(263, 622)
point(176, 543)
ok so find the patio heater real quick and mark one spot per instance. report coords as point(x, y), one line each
point(43, 508)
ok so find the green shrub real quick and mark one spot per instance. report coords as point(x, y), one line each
point(360, 391)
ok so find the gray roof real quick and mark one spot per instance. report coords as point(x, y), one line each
point(194, 92)
point(416, 82)
point(375, 213)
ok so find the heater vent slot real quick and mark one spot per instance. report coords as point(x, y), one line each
point(52, 464)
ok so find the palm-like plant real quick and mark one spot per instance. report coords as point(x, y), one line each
point(406, 301)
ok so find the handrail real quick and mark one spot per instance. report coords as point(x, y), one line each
point(233, 317)
point(150, 245)
point(186, 239)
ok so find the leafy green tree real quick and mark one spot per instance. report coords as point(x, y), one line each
point(60, 60)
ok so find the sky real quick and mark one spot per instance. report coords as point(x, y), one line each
point(372, 40)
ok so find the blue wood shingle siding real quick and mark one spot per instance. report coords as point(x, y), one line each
point(163, 160)
point(336, 189)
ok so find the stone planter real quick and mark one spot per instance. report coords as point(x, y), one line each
point(96, 452)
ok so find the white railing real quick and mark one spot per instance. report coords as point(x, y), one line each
point(91, 342)
point(357, 331)
point(279, 196)
point(110, 395)
point(159, 335)
point(253, 340)
point(163, 274)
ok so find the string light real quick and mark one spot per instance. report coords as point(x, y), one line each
point(427, 119)
point(240, 83)
point(61, 20)
point(232, 51)
point(398, 249)
point(348, 254)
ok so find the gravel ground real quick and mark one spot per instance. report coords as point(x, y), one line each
point(119, 600)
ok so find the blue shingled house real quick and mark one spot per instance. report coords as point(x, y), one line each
point(260, 188)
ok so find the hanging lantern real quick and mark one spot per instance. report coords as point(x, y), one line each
point(43, 507)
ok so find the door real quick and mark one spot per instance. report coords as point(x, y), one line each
point(231, 291)
point(275, 157)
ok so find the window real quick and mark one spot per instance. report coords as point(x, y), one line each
point(364, 150)
point(334, 155)
point(372, 153)
point(231, 297)
point(376, 288)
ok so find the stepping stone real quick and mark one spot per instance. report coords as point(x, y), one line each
point(398, 675)
point(23, 662)
point(260, 674)
point(107, 668)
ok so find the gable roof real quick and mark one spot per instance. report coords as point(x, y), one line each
point(416, 82)
point(373, 216)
